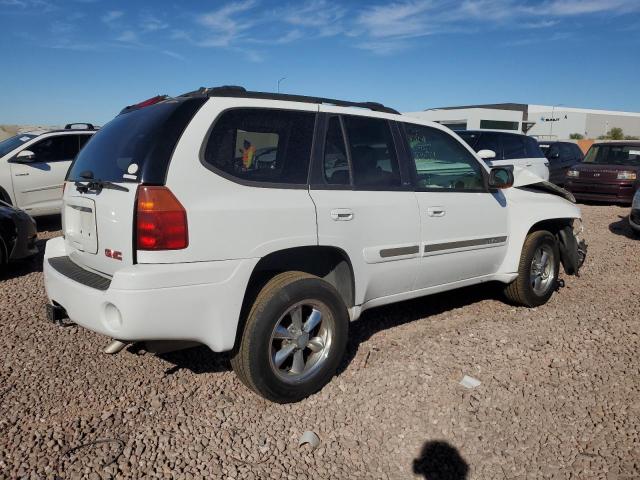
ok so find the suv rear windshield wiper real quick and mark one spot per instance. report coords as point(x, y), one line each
point(96, 185)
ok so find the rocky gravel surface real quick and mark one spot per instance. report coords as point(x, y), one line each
point(559, 393)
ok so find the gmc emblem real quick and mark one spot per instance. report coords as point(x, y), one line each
point(113, 254)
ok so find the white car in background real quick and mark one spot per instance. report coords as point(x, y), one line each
point(33, 166)
point(500, 149)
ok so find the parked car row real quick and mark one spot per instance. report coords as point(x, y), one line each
point(262, 224)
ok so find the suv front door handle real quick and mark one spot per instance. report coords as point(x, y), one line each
point(436, 211)
point(341, 214)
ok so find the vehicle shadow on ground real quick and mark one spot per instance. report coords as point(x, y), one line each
point(201, 359)
point(438, 460)
point(49, 223)
point(622, 228)
point(390, 316)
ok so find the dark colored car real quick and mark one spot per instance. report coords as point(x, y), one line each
point(561, 156)
point(608, 173)
point(18, 234)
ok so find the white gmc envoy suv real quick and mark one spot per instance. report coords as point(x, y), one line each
point(262, 224)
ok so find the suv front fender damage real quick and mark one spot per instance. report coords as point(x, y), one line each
point(572, 251)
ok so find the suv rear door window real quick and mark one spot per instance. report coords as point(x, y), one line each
point(513, 146)
point(442, 162)
point(56, 149)
point(262, 145)
point(373, 153)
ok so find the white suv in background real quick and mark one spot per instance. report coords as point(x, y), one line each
point(262, 224)
point(33, 166)
point(499, 149)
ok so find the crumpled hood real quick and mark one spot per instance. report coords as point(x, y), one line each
point(549, 187)
point(524, 176)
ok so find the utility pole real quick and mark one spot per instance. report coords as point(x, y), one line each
point(283, 78)
point(553, 119)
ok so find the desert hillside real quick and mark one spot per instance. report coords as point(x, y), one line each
point(7, 131)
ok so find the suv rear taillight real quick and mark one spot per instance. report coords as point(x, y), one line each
point(161, 220)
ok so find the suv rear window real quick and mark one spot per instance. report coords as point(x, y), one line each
point(262, 145)
point(138, 145)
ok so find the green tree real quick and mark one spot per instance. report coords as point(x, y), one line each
point(615, 133)
point(576, 136)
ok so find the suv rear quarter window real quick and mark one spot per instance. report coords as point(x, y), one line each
point(263, 146)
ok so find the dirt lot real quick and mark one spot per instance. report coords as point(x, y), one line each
point(560, 392)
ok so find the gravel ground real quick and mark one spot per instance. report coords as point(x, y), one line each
point(559, 396)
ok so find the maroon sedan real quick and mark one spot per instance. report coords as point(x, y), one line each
point(608, 173)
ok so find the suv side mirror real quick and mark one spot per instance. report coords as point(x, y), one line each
point(25, 156)
point(500, 178)
point(487, 154)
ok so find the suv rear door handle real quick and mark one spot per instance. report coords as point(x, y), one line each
point(436, 211)
point(342, 214)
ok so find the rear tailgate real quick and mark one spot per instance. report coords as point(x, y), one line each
point(99, 201)
point(98, 227)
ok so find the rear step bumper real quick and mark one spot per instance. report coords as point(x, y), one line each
point(198, 301)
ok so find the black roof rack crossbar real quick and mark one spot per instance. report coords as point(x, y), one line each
point(241, 92)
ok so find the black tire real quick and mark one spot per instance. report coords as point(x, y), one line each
point(253, 359)
point(521, 291)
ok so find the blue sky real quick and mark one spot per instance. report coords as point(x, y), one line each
point(83, 60)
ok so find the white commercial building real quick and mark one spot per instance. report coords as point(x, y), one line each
point(542, 121)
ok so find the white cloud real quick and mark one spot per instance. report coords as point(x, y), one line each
point(112, 16)
point(151, 23)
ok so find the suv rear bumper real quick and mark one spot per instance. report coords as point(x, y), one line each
point(188, 301)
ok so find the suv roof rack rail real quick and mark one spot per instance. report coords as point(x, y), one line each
point(237, 91)
point(72, 126)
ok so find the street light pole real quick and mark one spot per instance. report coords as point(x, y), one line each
point(283, 78)
point(553, 119)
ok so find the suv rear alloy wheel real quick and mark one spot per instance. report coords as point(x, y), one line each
point(294, 338)
point(537, 272)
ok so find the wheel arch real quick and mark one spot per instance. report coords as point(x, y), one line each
point(4, 196)
point(332, 264)
point(516, 242)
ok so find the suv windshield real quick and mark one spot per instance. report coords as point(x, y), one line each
point(12, 143)
point(136, 146)
point(614, 154)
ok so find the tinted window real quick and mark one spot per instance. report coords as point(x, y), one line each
point(499, 125)
point(567, 152)
point(489, 141)
point(14, 142)
point(614, 154)
point(471, 138)
point(373, 154)
point(56, 149)
point(577, 153)
point(441, 161)
point(335, 164)
point(82, 139)
point(553, 153)
point(262, 145)
point(138, 144)
point(532, 149)
point(513, 147)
